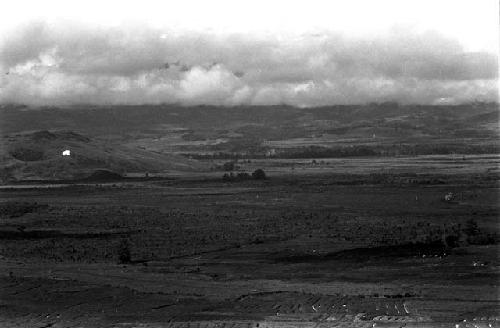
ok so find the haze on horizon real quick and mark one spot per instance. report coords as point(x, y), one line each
point(300, 53)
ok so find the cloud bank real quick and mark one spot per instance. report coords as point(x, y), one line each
point(64, 64)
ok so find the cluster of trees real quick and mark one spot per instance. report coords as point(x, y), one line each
point(258, 174)
point(229, 166)
point(18, 209)
point(360, 150)
point(387, 150)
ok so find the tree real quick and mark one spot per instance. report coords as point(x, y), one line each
point(259, 174)
point(243, 176)
point(228, 166)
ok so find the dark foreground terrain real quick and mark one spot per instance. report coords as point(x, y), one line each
point(329, 249)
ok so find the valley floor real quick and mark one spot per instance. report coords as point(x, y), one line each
point(319, 250)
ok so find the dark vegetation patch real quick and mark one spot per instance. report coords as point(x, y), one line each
point(103, 176)
point(396, 179)
point(422, 241)
point(44, 135)
point(347, 151)
point(435, 248)
point(229, 166)
point(27, 154)
point(21, 234)
point(18, 209)
point(258, 174)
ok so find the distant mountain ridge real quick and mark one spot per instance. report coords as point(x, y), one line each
point(102, 120)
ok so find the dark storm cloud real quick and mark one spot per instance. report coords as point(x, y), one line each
point(53, 64)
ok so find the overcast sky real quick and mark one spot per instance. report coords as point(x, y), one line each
point(303, 53)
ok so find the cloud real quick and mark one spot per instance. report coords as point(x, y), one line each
point(213, 85)
point(69, 64)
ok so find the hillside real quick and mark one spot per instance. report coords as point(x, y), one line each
point(162, 138)
point(385, 129)
point(38, 155)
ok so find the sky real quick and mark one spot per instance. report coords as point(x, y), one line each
point(300, 53)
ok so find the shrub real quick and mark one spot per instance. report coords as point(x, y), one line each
point(259, 174)
point(228, 166)
point(243, 176)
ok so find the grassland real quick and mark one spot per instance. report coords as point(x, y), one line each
point(303, 250)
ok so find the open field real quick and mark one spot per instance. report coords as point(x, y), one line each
point(366, 248)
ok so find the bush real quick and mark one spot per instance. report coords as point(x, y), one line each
point(228, 166)
point(259, 174)
point(243, 176)
point(238, 177)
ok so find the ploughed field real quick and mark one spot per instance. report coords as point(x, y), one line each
point(298, 250)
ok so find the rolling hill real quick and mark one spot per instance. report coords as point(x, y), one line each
point(160, 138)
point(38, 155)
